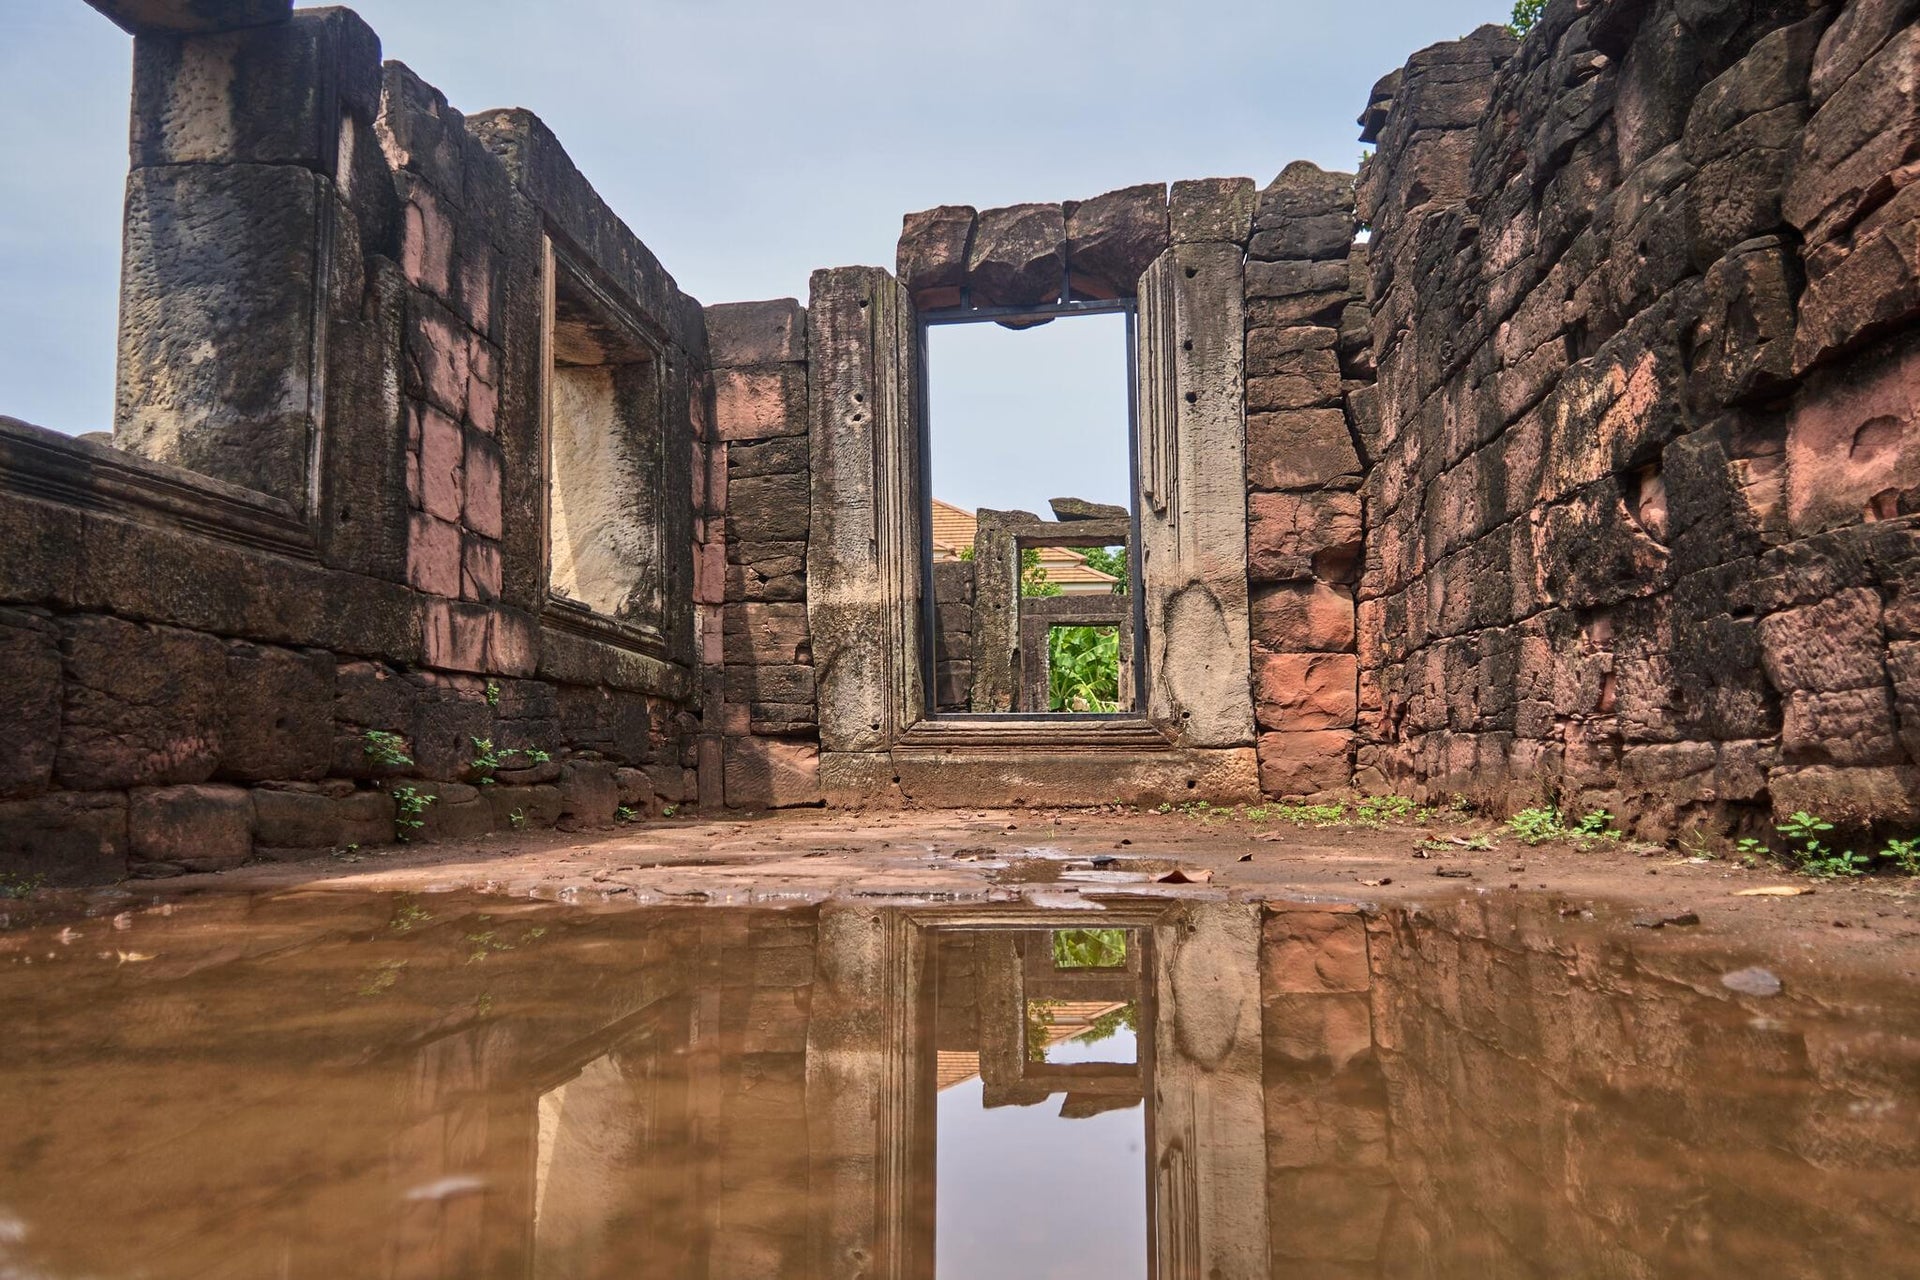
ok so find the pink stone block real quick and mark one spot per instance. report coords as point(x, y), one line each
point(476, 286)
point(480, 570)
point(513, 644)
point(426, 242)
point(710, 572)
point(454, 636)
point(440, 463)
point(483, 487)
point(433, 555)
point(751, 404)
point(1305, 690)
point(708, 618)
point(437, 353)
point(1853, 450)
point(483, 386)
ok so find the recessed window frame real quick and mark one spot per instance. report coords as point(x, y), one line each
point(925, 322)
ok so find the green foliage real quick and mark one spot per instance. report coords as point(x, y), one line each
point(1803, 831)
point(1904, 854)
point(1033, 578)
point(1039, 1022)
point(1111, 561)
point(493, 693)
point(517, 819)
point(409, 803)
point(667, 810)
point(1375, 809)
point(485, 759)
point(18, 884)
point(1597, 824)
point(1536, 825)
point(625, 814)
point(1110, 1023)
point(387, 749)
point(408, 914)
point(1083, 668)
point(1318, 815)
point(1525, 14)
point(534, 755)
point(1089, 948)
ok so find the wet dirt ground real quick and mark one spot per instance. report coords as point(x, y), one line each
point(1015, 1043)
point(1068, 858)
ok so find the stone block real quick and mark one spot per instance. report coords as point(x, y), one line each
point(1305, 763)
point(144, 705)
point(771, 773)
point(523, 808)
point(782, 456)
point(1321, 1032)
point(1303, 617)
point(278, 720)
point(589, 796)
point(1291, 537)
point(750, 333)
point(1321, 237)
point(457, 811)
point(1112, 238)
point(789, 683)
point(1300, 449)
point(480, 487)
point(761, 634)
point(769, 508)
point(1305, 690)
point(931, 259)
point(68, 837)
point(1314, 952)
point(243, 241)
point(1279, 350)
point(29, 701)
point(1211, 210)
point(186, 17)
point(1743, 341)
point(1864, 284)
point(1848, 797)
point(1018, 256)
point(1302, 190)
point(1853, 444)
point(366, 817)
point(295, 819)
point(192, 828)
point(1856, 140)
point(757, 402)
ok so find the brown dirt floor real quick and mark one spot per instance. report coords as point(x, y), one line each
point(1060, 858)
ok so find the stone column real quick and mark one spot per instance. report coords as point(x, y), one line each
point(863, 553)
point(1193, 504)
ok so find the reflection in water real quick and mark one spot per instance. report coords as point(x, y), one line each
point(332, 1085)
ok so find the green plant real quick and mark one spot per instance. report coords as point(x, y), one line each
point(1525, 14)
point(1536, 825)
point(407, 914)
point(1904, 854)
point(1596, 824)
point(667, 810)
point(18, 884)
point(1033, 578)
point(1111, 561)
point(1083, 668)
point(1318, 814)
point(1816, 858)
point(386, 749)
point(517, 819)
point(1479, 844)
point(381, 977)
point(1110, 1023)
point(625, 814)
point(485, 759)
point(409, 803)
point(1089, 948)
point(493, 693)
point(1256, 813)
point(534, 755)
point(1380, 808)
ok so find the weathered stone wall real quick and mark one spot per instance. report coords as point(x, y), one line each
point(1639, 527)
point(753, 594)
point(1308, 373)
point(326, 513)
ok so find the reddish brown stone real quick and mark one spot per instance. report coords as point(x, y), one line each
point(1305, 690)
point(1304, 764)
point(1295, 536)
point(143, 705)
point(1303, 617)
point(191, 828)
point(771, 773)
point(65, 838)
point(1018, 257)
point(931, 260)
point(1211, 210)
point(1112, 238)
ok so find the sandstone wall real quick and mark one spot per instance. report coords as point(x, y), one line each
point(1639, 522)
point(323, 510)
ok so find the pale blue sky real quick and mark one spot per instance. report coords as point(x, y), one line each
point(746, 141)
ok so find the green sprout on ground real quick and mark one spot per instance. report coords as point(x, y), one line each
point(1596, 824)
point(1904, 854)
point(517, 819)
point(409, 804)
point(19, 885)
point(1536, 825)
point(626, 813)
point(667, 811)
point(388, 750)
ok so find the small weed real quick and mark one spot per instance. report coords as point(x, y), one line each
point(1904, 854)
point(485, 758)
point(1479, 844)
point(535, 755)
point(408, 914)
point(517, 819)
point(1376, 809)
point(1596, 824)
point(381, 977)
point(484, 944)
point(1257, 813)
point(409, 803)
point(1536, 825)
point(625, 814)
point(493, 693)
point(1318, 815)
point(19, 885)
point(1804, 830)
point(667, 811)
point(386, 749)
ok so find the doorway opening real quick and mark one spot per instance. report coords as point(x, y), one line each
point(1029, 476)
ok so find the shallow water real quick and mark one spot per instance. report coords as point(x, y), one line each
point(341, 1085)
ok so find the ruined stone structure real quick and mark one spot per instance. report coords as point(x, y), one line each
point(1583, 474)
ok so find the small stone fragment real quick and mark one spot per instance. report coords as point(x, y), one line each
point(1752, 981)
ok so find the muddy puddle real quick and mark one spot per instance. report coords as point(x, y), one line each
point(338, 1084)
